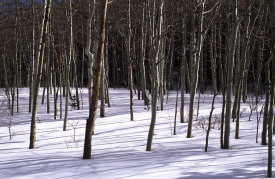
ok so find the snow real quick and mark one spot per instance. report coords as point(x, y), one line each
point(118, 149)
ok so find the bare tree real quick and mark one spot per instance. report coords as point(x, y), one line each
point(96, 82)
point(68, 66)
point(197, 42)
point(130, 62)
point(271, 118)
point(39, 58)
point(155, 41)
point(232, 47)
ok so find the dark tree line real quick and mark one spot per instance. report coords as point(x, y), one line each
point(147, 46)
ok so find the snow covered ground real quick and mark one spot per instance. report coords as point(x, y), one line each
point(118, 150)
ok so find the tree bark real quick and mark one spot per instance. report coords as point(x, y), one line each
point(97, 75)
point(270, 119)
point(156, 43)
point(195, 70)
point(68, 68)
point(143, 50)
point(130, 63)
point(183, 70)
point(232, 46)
point(102, 91)
point(90, 55)
point(38, 70)
point(267, 102)
point(209, 122)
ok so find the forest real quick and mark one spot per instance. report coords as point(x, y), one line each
point(206, 63)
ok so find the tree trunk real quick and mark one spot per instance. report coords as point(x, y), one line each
point(68, 67)
point(156, 44)
point(222, 118)
point(209, 122)
point(97, 75)
point(176, 111)
point(32, 58)
point(270, 120)
point(195, 70)
point(38, 70)
point(76, 83)
point(88, 52)
point(232, 46)
point(48, 79)
point(102, 91)
point(267, 102)
point(143, 50)
point(213, 60)
point(130, 63)
point(183, 70)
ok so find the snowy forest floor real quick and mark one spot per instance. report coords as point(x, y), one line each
point(118, 150)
